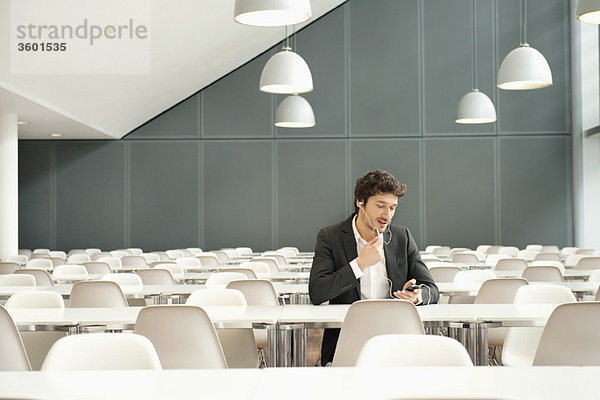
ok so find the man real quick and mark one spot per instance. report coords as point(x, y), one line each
point(365, 257)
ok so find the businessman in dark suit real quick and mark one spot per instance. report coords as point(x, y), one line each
point(365, 257)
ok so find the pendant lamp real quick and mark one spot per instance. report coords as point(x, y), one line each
point(475, 107)
point(294, 112)
point(286, 73)
point(271, 12)
point(524, 67)
point(589, 11)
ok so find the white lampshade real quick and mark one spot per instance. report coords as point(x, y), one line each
point(589, 11)
point(294, 112)
point(286, 72)
point(271, 12)
point(524, 68)
point(475, 108)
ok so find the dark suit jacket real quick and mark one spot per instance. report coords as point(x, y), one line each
point(332, 278)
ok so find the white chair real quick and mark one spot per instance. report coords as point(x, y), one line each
point(184, 336)
point(442, 274)
point(76, 259)
point(594, 276)
point(557, 264)
point(7, 268)
point(75, 251)
point(280, 258)
point(150, 257)
point(176, 270)
point(174, 254)
point(102, 351)
point(97, 267)
point(572, 260)
point(17, 280)
point(246, 271)
point(431, 248)
point(194, 250)
point(534, 247)
point(35, 299)
point(40, 250)
point(511, 264)
point(442, 251)
point(208, 259)
point(457, 250)
point(58, 254)
point(567, 251)
point(588, 263)
point(493, 249)
point(270, 261)
point(426, 258)
point(159, 262)
point(475, 276)
point(368, 318)
point(406, 350)
point(125, 279)
point(94, 294)
point(216, 297)
point(483, 248)
point(221, 256)
point(156, 276)
point(17, 258)
point(162, 255)
point(291, 249)
point(40, 263)
point(570, 336)
point(257, 292)
point(585, 252)
point(547, 257)
point(42, 277)
point(189, 263)
point(492, 259)
point(38, 256)
point(244, 251)
point(222, 279)
point(114, 262)
point(12, 351)
point(510, 251)
point(91, 251)
point(69, 273)
point(135, 251)
point(465, 259)
point(528, 255)
point(547, 273)
point(120, 253)
point(25, 252)
point(98, 256)
point(261, 269)
point(134, 262)
point(550, 249)
point(521, 343)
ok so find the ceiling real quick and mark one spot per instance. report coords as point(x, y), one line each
point(193, 43)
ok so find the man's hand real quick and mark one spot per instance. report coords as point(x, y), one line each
point(370, 254)
point(404, 294)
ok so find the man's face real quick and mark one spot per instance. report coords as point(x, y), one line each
point(379, 209)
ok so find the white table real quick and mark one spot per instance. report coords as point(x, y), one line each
point(472, 288)
point(532, 383)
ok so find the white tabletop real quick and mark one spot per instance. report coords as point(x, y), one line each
point(471, 288)
point(533, 383)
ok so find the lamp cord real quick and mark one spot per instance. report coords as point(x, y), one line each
point(523, 15)
point(473, 42)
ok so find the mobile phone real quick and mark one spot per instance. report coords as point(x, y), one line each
point(412, 288)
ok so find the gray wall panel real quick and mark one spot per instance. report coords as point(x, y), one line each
point(535, 190)
point(164, 194)
point(327, 62)
point(543, 110)
point(384, 67)
point(311, 189)
point(402, 158)
point(90, 194)
point(234, 107)
point(182, 121)
point(459, 191)
point(448, 62)
point(36, 227)
point(237, 194)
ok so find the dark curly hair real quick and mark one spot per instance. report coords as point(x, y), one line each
point(377, 182)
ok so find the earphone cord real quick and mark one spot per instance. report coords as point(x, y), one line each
point(376, 231)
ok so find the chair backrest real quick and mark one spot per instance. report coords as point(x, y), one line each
point(543, 274)
point(12, 351)
point(150, 257)
point(101, 351)
point(94, 294)
point(25, 252)
point(188, 262)
point(270, 261)
point(474, 275)
point(280, 258)
point(156, 276)
point(570, 336)
point(56, 261)
point(528, 255)
point(430, 248)
point(405, 350)
point(35, 299)
point(162, 255)
point(499, 291)
point(208, 259)
point(124, 279)
point(443, 274)
point(572, 260)
point(544, 294)
point(114, 262)
point(159, 262)
point(534, 247)
point(465, 258)
point(134, 262)
point(17, 280)
point(78, 258)
point(493, 249)
point(557, 264)
point(547, 257)
point(69, 272)
point(97, 267)
point(175, 254)
point(176, 270)
point(8, 267)
point(483, 248)
point(58, 254)
point(40, 250)
point(511, 264)
point(17, 258)
point(441, 251)
point(135, 251)
point(92, 250)
point(221, 279)
point(194, 250)
point(588, 263)
point(257, 292)
point(246, 271)
point(492, 259)
point(261, 269)
point(222, 256)
point(368, 318)
point(76, 251)
point(216, 297)
point(40, 263)
point(183, 335)
point(511, 251)
point(42, 277)
point(550, 249)
point(584, 252)
point(244, 251)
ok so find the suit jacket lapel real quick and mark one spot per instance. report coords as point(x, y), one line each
point(390, 262)
point(349, 244)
